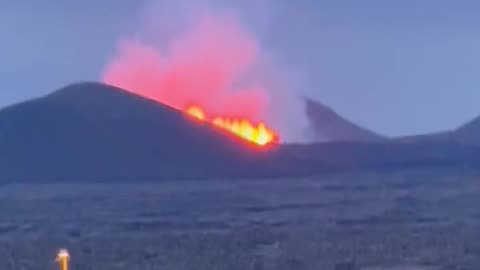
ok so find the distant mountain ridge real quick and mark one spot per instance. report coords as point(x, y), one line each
point(95, 132)
point(467, 134)
point(326, 125)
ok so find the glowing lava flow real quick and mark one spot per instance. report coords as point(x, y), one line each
point(258, 134)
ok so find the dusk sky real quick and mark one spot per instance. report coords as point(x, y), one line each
point(396, 67)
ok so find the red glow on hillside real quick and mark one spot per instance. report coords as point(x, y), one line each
point(207, 65)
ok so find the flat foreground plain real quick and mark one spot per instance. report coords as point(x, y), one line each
point(428, 219)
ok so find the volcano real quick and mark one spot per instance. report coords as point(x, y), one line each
point(96, 132)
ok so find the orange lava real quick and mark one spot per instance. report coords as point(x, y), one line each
point(258, 134)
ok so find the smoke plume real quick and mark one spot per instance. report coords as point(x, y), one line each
point(207, 57)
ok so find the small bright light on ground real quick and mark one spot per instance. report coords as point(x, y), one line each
point(62, 259)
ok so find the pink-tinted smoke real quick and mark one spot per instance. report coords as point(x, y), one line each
point(208, 64)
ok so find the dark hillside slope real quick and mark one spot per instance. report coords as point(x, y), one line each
point(95, 131)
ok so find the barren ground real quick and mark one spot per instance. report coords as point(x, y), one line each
point(401, 220)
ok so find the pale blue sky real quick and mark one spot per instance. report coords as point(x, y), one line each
point(397, 67)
